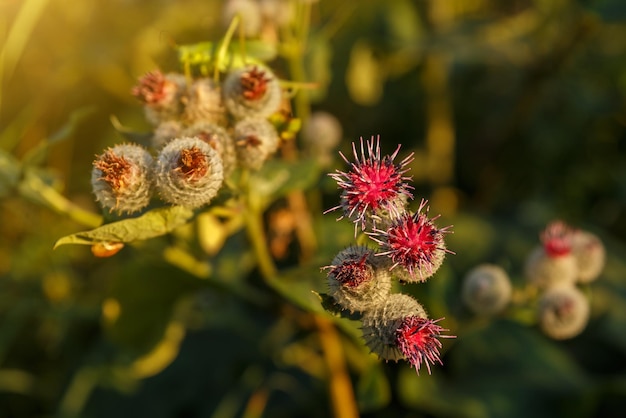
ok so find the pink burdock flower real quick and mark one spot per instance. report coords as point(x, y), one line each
point(417, 339)
point(399, 329)
point(375, 187)
point(414, 243)
point(557, 239)
point(552, 262)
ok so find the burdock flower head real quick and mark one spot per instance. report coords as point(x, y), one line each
point(121, 178)
point(375, 188)
point(487, 289)
point(563, 312)
point(414, 244)
point(251, 91)
point(400, 329)
point(204, 103)
point(188, 172)
point(552, 262)
point(357, 279)
point(161, 94)
point(219, 139)
point(255, 141)
point(590, 255)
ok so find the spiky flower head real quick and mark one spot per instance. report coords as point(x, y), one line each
point(400, 329)
point(161, 94)
point(188, 172)
point(121, 178)
point(357, 279)
point(373, 185)
point(203, 103)
point(218, 139)
point(251, 91)
point(552, 262)
point(414, 244)
point(487, 289)
point(557, 239)
point(563, 312)
point(544, 271)
point(590, 255)
point(255, 141)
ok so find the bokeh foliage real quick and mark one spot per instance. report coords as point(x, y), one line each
point(516, 113)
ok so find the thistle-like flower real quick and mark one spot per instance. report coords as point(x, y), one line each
point(563, 312)
point(161, 94)
point(188, 172)
point(357, 279)
point(375, 189)
point(251, 91)
point(414, 244)
point(590, 255)
point(552, 262)
point(121, 178)
point(204, 103)
point(400, 329)
point(255, 141)
point(487, 289)
point(218, 139)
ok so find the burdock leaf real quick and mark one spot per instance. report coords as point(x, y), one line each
point(277, 178)
point(151, 224)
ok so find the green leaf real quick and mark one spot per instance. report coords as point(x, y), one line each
point(278, 177)
point(151, 224)
point(202, 55)
point(37, 154)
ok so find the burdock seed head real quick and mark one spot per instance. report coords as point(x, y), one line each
point(251, 91)
point(121, 178)
point(255, 141)
point(219, 139)
point(188, 172)
point(161, 95)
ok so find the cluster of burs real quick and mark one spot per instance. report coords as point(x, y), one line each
point(566, 259)
point(203, 130)
point(407, 247)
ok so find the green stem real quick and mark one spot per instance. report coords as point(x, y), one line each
point(253, 219)
point(221, 53)
point(256, 234)
point(59, 203)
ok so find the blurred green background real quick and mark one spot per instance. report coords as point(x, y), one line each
point(516, 112)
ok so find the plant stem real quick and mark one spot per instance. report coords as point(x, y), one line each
point(341, 390)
